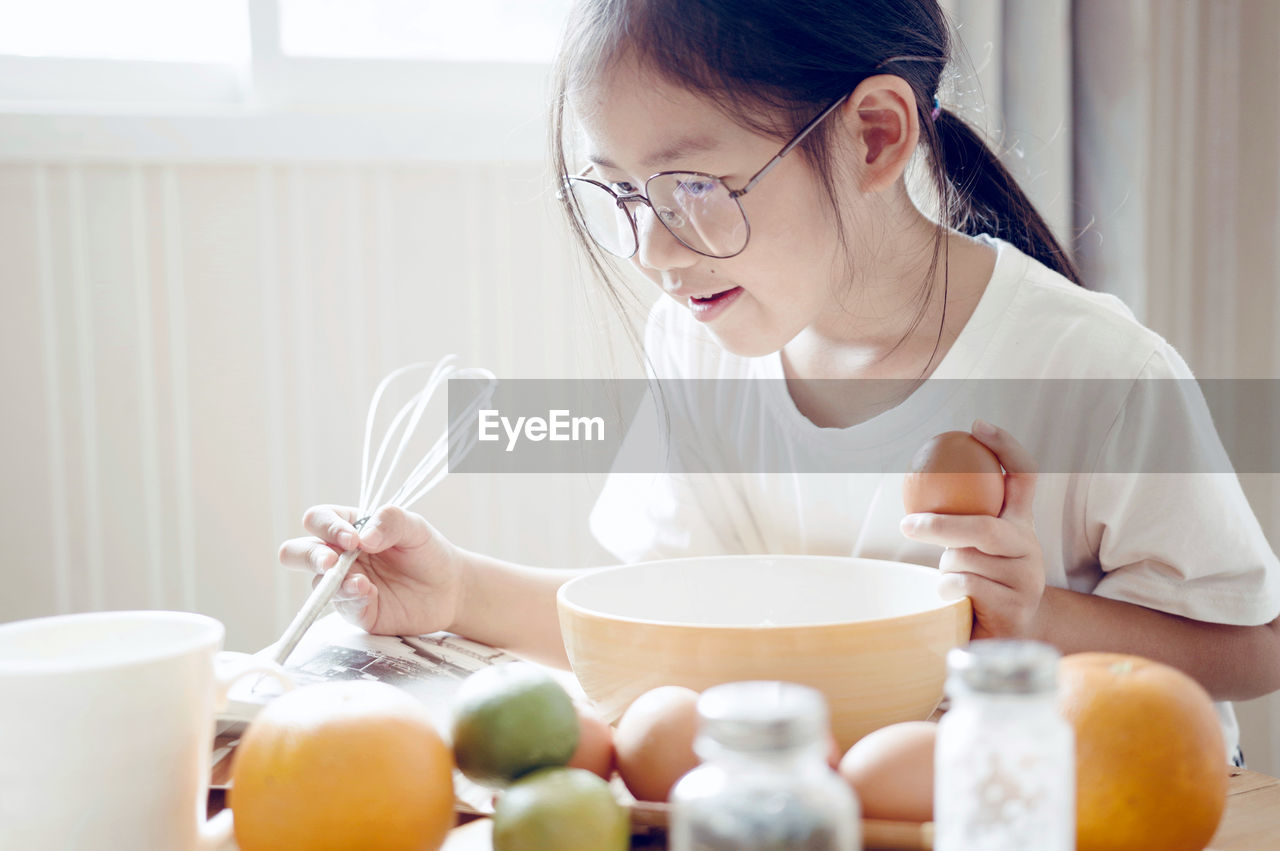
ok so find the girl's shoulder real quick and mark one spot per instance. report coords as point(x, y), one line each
point(1042, 325)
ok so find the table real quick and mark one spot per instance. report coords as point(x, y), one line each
point(1251, 822)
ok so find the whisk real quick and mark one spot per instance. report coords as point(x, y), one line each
point(454, 443)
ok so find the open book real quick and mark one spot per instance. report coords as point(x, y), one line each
point(429, 667)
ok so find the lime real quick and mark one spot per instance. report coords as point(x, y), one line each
point(509, 720)
point(568, 809)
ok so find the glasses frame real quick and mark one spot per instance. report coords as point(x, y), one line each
point(623, 201)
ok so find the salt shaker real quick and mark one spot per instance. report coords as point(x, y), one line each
point(764, 783)
point(1004, 777)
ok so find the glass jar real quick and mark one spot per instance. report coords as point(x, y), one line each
point(1004, 773)
point(764, 783)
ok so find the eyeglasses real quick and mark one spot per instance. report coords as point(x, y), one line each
point(698, 209)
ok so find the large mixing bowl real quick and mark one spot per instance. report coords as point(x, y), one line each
point(870, 635)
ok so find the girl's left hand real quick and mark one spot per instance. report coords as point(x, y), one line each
point(994, 561)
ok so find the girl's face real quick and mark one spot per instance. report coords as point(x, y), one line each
point(787, 277)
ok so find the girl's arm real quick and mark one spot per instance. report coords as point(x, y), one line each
point(997, 562)
point(512, 606)
point(1231, 662)
point(410, 579)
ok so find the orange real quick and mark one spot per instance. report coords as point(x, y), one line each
point(342, 765)
point(1151, 769)
point(954, 474)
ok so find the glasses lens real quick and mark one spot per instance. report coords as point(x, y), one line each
point(700, 212)
point(598, 212)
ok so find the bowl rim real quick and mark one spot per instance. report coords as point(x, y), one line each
point(563, 604)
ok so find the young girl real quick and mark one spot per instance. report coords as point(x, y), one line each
point(748, 158)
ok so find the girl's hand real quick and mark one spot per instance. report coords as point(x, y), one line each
point(406, 581)
point(995, 561)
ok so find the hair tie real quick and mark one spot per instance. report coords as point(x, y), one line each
point(937, 109)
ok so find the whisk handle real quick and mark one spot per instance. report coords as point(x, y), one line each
point(319, 598)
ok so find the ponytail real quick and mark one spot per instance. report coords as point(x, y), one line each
point(979, 195)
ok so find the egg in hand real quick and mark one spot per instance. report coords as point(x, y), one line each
point(953, 473)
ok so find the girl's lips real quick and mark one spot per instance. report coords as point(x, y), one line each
point(706, 309)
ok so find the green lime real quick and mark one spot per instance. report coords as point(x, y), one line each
point(566, 809)
point(509, 720)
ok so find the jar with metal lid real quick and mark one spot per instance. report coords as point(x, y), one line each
point(1004, 773)
point(764, 783)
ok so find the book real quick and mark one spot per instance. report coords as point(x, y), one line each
point(429, 667)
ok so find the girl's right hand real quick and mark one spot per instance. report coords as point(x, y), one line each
point(407, 579)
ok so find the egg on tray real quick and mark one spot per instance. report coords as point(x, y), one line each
point(595, 743)
point(654, 741)
point(891, 770)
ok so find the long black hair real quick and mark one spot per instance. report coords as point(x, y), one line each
point(786, 61)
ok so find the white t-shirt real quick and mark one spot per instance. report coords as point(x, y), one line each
point(1184, 543)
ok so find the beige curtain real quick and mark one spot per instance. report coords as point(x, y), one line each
point(1027, 116)
point(1148, 132)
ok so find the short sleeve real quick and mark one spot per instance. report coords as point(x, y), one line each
point(1166, 513)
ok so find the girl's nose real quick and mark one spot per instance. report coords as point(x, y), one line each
point(658, 248)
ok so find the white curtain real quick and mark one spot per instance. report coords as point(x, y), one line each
point(1148, 132)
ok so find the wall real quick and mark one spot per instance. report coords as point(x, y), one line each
point(189, 351)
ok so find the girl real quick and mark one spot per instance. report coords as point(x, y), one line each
point(749, 159)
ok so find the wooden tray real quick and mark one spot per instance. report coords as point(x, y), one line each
point(647, 817)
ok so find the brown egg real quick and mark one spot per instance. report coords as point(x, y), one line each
point(954, 474)
point(833, 751)
point(654, 741)
point(595, 743)
point(891, 770)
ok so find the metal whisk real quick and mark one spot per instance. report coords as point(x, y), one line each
point(455, 442)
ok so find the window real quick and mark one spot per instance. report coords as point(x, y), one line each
point(448, 30)
point(328, 79)
point(156, 30)
point(256, 51)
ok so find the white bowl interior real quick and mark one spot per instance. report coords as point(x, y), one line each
point(757, 590)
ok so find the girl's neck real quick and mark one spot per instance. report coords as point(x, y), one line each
point(873, 333)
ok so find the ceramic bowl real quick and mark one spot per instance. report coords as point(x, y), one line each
point(871, 635)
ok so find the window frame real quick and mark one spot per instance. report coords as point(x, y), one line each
point(272, 106)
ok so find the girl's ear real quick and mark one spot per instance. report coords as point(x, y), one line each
point(883, 125)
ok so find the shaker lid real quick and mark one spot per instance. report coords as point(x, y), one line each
point(762, 715)
point(1004, 666)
